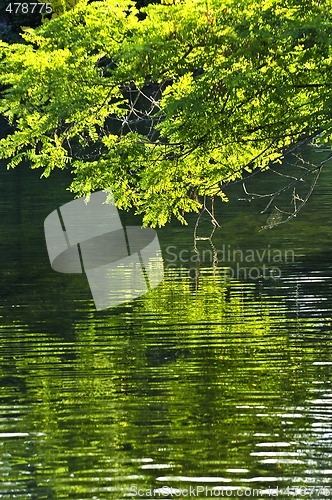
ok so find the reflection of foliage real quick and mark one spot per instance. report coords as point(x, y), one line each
point(175, 376)
point(193, 376)
point(171, 108)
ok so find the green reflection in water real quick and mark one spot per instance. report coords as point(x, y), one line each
point(182, 383)
point(212, 381)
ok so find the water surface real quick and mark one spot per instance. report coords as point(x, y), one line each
point(215, 379)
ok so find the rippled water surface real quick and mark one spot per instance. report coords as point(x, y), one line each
point(216, 381)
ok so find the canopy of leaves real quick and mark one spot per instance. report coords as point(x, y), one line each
point(169, 108)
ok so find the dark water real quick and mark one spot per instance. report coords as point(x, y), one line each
point(216, 383)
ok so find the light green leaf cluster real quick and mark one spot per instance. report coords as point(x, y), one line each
point(237, 83)
point(61, 6)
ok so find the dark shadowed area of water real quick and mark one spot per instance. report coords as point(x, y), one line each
point(215, 383)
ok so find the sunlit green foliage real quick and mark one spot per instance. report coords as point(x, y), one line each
point(61, 6)
point(240, 81)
